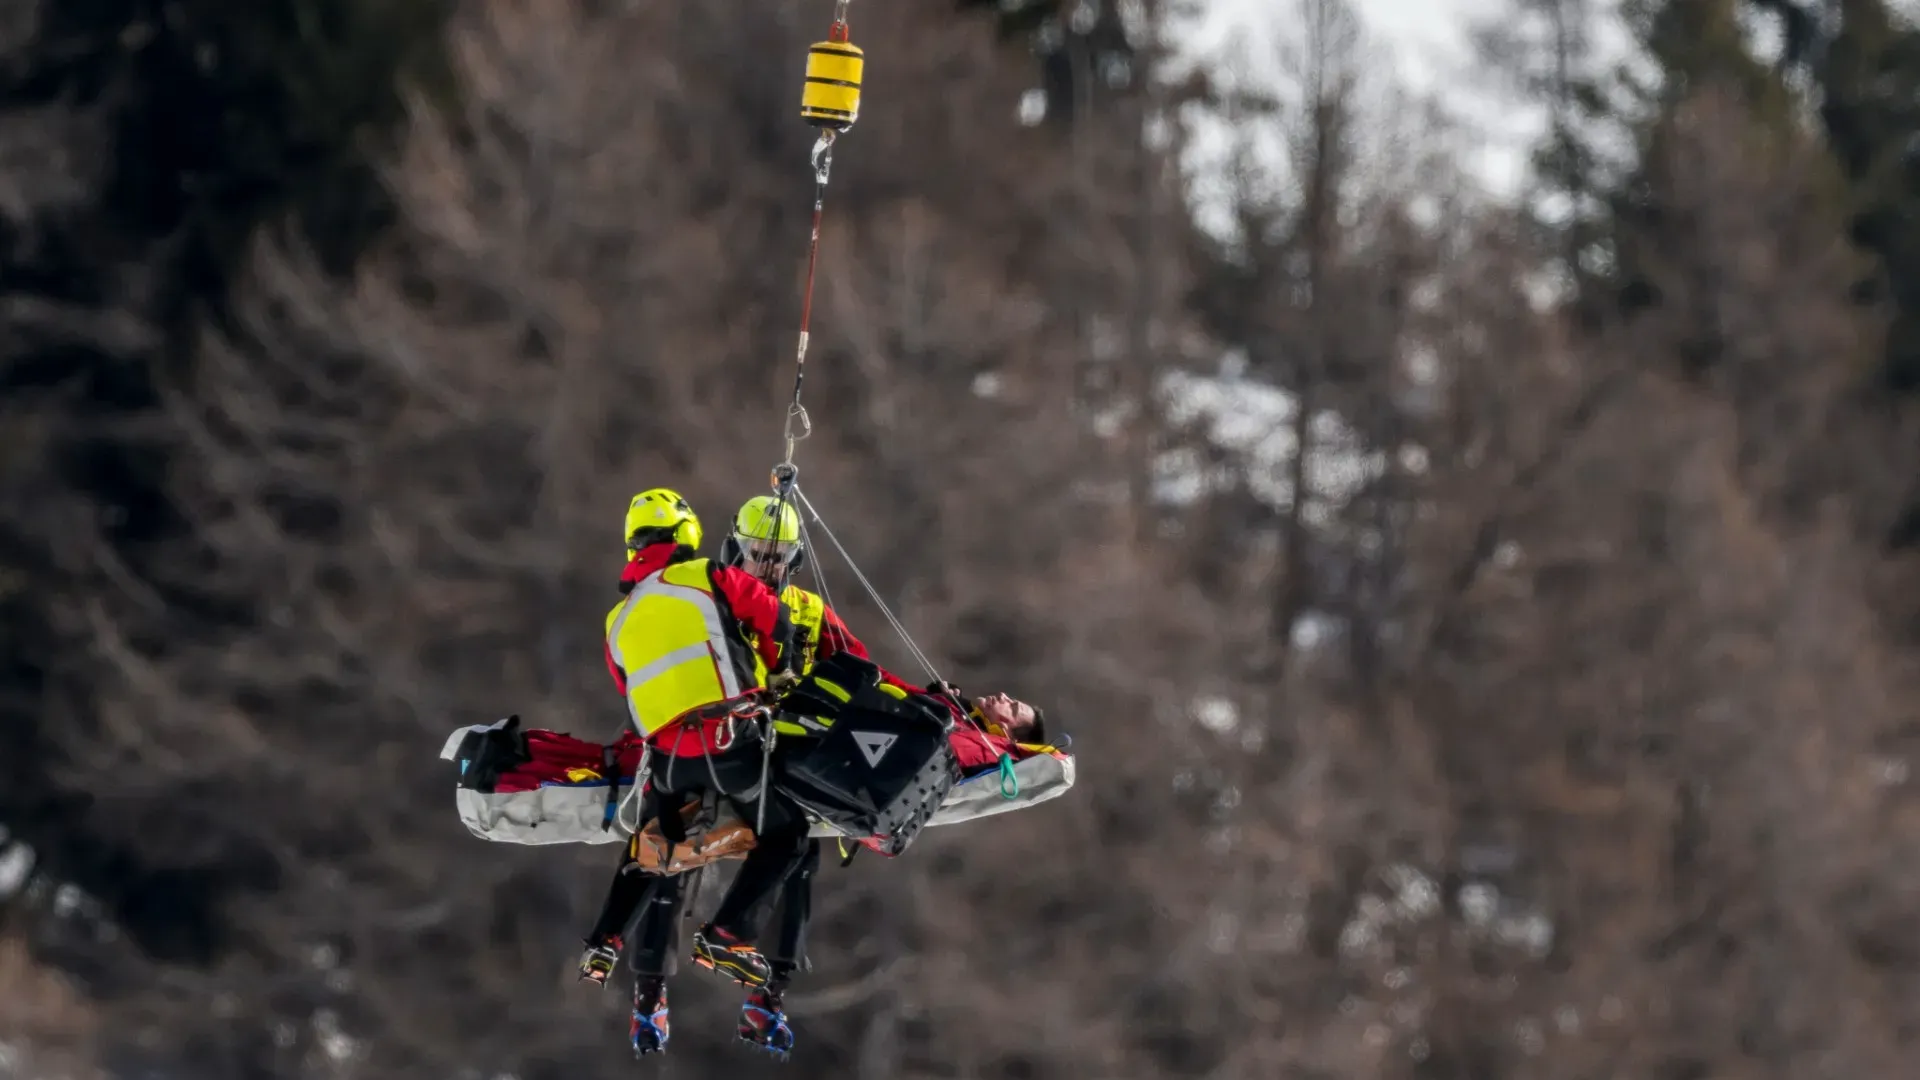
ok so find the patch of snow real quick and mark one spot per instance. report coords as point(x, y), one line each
point(1032, 108)
point(1216, 714)
point(1566, 1019)
point(1478, 903)
point(16, 866)
point(1223, 932)
point(1889, 771)
point(335, 1043)
point(1254, 423)
point(1313, 629)
point(1415, 896)
point(1527, 1033)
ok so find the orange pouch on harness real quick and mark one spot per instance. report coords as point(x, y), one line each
point(729, 838)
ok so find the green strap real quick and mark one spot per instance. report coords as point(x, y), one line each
point(1009, 783)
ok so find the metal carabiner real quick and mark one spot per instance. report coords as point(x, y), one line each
point(822, 157)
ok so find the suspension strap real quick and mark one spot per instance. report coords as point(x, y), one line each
point(1009, 780)
point(886, 612)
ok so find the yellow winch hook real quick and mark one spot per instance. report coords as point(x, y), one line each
point(831, 97)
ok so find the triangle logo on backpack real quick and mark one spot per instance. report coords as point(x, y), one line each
point(874, 745)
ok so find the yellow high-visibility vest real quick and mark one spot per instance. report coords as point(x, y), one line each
point(670, 641)
point(808, 613)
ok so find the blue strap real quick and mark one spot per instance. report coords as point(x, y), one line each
point(1009, 783)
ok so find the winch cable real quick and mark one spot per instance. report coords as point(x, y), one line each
point(830, 101)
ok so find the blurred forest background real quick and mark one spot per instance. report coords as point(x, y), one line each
point(1490, 626)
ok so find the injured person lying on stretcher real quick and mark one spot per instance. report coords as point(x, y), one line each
point(522, 785)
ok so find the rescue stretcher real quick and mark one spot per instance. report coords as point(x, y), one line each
point(560, 793)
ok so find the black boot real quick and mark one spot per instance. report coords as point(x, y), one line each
point(596, 964)
point(717, 950)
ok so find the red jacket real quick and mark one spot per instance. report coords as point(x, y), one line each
point(749, 604)
point(976, 748)
point(835, 637)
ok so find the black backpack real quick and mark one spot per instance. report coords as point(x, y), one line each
point(882, 768)
point(485, 753)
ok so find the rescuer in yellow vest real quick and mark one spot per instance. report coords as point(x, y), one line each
point(692, 639)
point(765, 543)
point(692, 644)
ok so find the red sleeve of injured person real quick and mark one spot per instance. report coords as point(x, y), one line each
point(836, 638)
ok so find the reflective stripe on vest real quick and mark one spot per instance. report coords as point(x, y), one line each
point(670, 623)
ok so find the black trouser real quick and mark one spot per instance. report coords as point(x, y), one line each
point(781, 853)
point(656, 935)
point(656, 899)
point(660, 901)
point(796, 910)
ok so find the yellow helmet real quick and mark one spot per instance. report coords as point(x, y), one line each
point(766, 534)
point(658, 514)
point(765, 517)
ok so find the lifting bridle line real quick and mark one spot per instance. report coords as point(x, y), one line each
point(886, 612)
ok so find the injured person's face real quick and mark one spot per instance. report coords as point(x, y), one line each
point(1013, 718)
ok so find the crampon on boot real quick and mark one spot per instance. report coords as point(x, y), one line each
point(764, 1024)
point(716, 950)
point(596, 964)
point(648, 1032)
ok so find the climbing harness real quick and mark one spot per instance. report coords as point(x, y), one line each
point(873, 593)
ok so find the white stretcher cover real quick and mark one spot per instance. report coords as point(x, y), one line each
point(574, 808)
